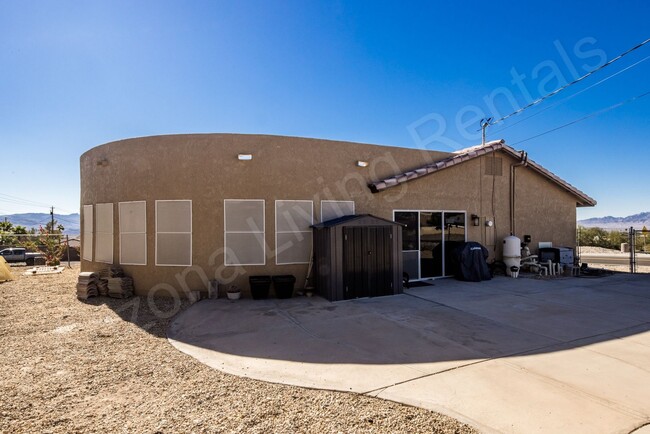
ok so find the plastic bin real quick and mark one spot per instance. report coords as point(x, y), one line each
point(284, 285)
point(260, 286)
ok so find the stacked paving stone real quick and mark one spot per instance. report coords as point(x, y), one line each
point(87, 285)
point(116, 271)
point(102, 286)
point(120, 287)
point(102, 281)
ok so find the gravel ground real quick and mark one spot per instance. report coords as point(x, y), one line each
point(594, 249)
point(105, 366)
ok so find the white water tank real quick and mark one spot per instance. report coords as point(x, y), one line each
point(511, 253)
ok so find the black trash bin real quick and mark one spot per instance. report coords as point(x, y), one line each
point(284, 285)
point(260, 286)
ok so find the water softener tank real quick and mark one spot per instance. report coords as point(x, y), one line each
point(511, 253)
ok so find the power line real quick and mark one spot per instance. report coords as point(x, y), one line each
point(27, 202)
point(64, 218)
point(556, 91)
point(591, 115)
point(69, 222)
point(16, 199)
point(572, 96)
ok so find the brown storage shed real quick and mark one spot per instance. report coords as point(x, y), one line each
point(357, 256)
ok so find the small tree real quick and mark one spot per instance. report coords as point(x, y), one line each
point(601, 237)
point(49, 243)
point(6, 227)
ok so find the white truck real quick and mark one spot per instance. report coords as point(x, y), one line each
point(19, 254)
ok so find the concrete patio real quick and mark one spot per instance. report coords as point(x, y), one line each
point(508, 355)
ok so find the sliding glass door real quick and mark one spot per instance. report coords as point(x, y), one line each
point(410, 241)
point(431, 259)
point(427, 239)
point(455, 234)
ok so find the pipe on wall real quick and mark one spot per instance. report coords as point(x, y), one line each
point(522, 162)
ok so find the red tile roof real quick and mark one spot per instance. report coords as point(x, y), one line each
point(474, 152)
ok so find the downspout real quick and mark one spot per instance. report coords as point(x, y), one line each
point(523, 162)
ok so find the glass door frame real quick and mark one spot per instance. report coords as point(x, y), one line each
point(443, 212)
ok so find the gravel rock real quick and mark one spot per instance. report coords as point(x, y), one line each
point(104, 365)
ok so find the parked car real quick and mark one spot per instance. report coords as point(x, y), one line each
point(19, 254)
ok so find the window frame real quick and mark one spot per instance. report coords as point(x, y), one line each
point(119, 212)
point(190, 232)
point(90, 224)
point(226, 232)
point(97, 233)
point(310, 232)
point(444, 239)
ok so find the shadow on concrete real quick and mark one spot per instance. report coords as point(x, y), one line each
point(451, 321)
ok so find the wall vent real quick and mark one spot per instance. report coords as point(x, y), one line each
point(493, 166)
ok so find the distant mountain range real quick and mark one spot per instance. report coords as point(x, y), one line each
point(33, 220)
point(637, 221)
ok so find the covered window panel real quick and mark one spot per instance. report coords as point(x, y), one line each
point(174, 249)
point(293, 234)
point(87, 245)
point(293, 248)
point(245, 248)
point(244, 215)
point(331, 209)
point(174, 232)
point(244, 226)
point(133, 233)
point(174, 216)
point(104, 232)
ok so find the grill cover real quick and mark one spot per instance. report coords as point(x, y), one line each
point(469, 262)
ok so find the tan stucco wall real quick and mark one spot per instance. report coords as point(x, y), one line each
point(544, 211)
point(205, 169)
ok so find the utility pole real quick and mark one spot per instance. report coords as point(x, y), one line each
point(52, 217)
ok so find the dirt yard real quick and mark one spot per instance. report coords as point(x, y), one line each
point(106, 366)
point(620, 268)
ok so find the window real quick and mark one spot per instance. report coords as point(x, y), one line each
point(244, 232)
point(174, 232)
point(331, 209)
point(133, 233)
point(87, 244)
point(293, 235)
point(104, 233)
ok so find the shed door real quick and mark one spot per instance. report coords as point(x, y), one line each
point(367, 262)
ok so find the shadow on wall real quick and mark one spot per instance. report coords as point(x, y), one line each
point(450, 321)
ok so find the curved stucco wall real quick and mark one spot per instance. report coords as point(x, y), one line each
point(204, 168)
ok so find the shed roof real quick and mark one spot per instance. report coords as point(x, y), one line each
point(473, 152)
point(370, 219)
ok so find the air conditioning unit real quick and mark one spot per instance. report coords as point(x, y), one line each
point(561, 255)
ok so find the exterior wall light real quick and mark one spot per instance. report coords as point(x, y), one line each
point(476, 220)
point(489, 223)
point(244, 157)
point(362, 163)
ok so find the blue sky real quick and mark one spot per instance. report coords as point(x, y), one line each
point(414, 74)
